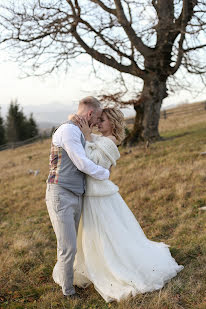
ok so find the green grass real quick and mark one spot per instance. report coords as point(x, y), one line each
point(165, 188)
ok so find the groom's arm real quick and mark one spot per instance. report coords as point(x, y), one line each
point(70, 140)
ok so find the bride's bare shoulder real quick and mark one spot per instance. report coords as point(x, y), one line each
point(113, 138)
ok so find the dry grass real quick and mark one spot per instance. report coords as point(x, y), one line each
point(180, 120)
point(163, 185)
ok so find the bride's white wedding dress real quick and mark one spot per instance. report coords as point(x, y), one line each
point(113, 252)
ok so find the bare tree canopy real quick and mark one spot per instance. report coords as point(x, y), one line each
point(149, 39)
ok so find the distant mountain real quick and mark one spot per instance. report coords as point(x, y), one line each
point(52, 114)
point(46, 115)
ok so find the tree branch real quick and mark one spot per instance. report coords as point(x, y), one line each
point(180, 55)
point(136, 41)
point(104, 7)
point(110, 61)
point(194, 48)
point(112, 46)
point(185, 17)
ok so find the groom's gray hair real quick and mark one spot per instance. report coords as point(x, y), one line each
point(90, 102)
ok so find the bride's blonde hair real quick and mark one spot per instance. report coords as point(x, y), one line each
point(116, 117)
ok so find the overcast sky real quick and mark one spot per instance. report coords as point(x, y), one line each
point(68, 88)
point(62, 88)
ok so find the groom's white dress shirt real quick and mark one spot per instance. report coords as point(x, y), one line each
point(68, 136)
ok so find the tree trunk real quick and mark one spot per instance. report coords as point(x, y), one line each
point(148, 112)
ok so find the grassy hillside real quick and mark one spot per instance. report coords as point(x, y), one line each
point(164, 186)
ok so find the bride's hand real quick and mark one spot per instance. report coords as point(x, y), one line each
point(71, 116)
point(74, 118)
point(85, 128)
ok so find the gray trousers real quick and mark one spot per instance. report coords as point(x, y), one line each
point(64, 209)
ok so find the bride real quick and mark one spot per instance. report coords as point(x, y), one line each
point(113, 252)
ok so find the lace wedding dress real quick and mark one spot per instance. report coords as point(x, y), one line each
point(113, 252)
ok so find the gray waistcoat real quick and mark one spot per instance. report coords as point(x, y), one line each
point(63, 171)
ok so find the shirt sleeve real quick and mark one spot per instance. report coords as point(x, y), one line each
point(71, 142)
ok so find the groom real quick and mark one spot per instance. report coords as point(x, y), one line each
point(65, 187)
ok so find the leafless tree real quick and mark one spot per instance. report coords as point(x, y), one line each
point(149, 39)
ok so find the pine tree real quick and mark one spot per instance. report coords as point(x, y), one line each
point(15, 122)
point(2, 131)
point(32, 127)
point(18, 127)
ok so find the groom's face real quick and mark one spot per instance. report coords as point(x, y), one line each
point(95, 116)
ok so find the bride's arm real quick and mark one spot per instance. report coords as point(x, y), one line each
point(113, 138)
point(93, 152)
point(104, 149)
